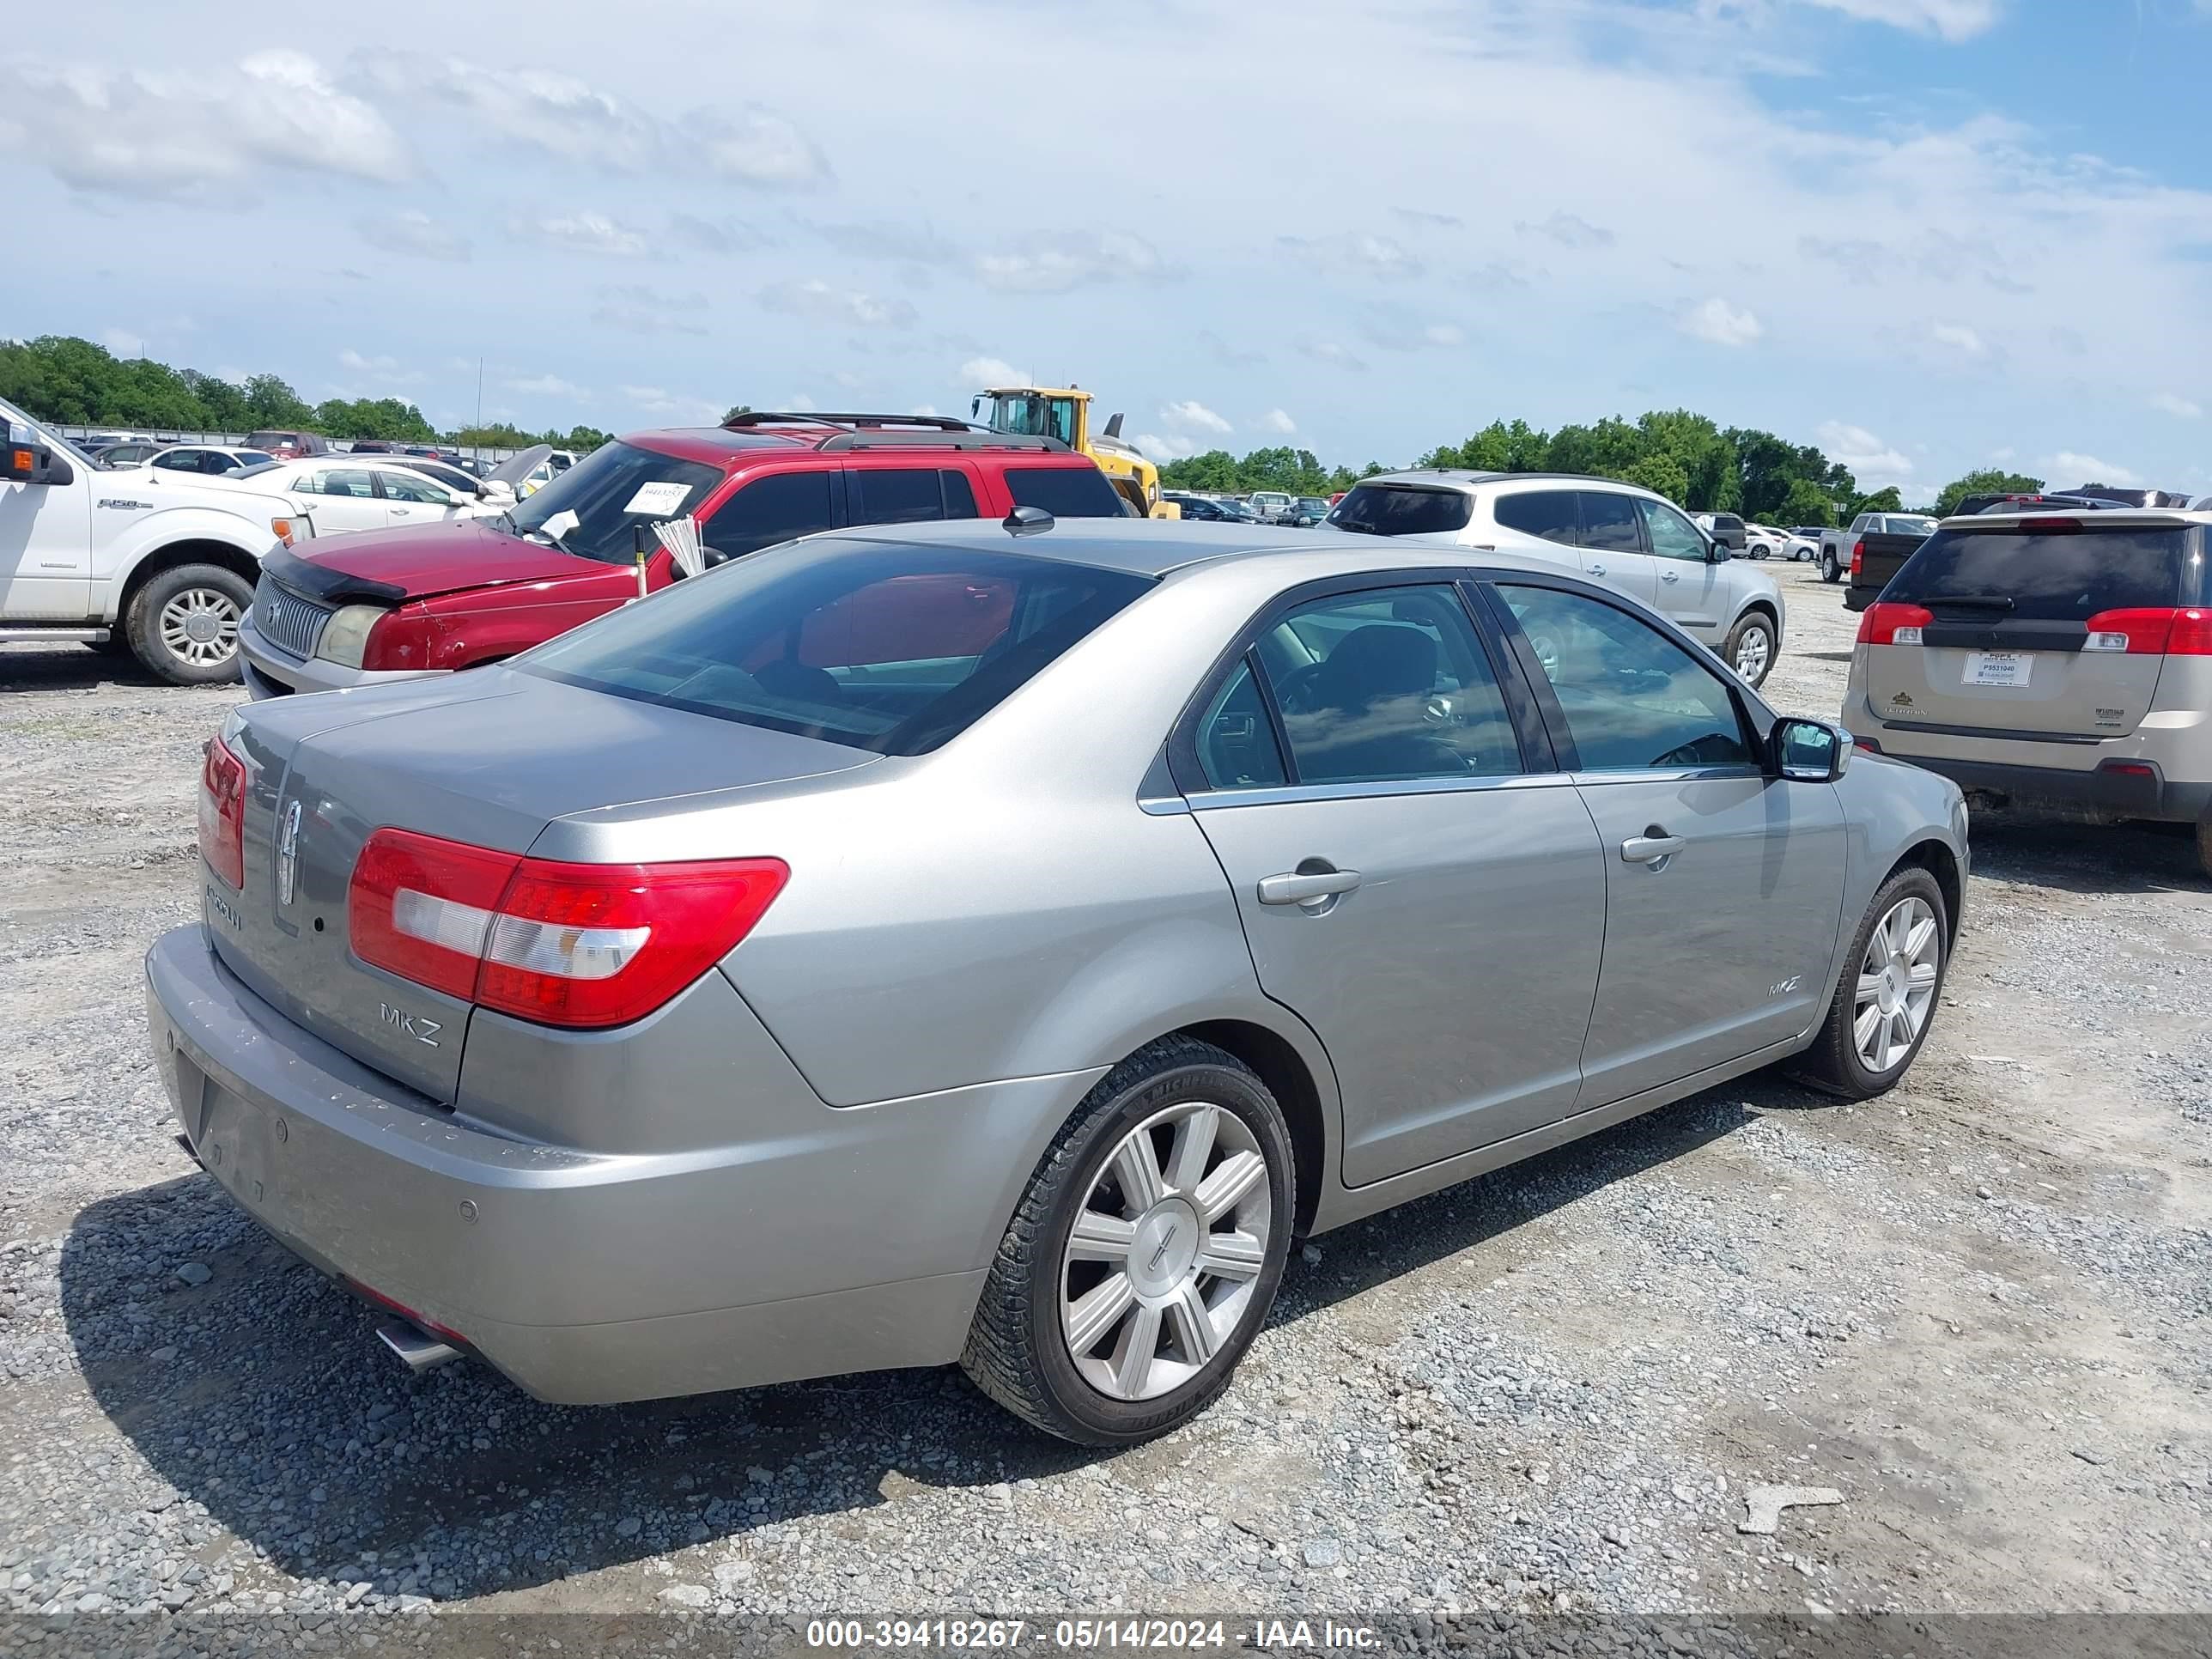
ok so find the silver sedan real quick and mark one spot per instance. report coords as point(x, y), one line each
point(997, 943)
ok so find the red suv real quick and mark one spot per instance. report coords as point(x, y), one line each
point(397, 605)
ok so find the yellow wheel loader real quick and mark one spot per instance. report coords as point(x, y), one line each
point(1064, 412)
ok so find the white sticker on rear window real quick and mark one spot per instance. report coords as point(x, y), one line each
point(658, 498)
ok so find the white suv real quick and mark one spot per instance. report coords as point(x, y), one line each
point(1614, 533)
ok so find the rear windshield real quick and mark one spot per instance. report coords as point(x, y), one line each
point(1065, 492)
point(2044, 575)
point(1402, 510)
point(890, 647)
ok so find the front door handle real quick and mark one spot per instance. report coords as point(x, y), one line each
point(1597, 570)
point(1305, 889)
point(1650, 849)
point(1670, 575)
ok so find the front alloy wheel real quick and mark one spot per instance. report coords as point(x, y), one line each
point(1751, 648)
point(199, 627)
point(1896, 984)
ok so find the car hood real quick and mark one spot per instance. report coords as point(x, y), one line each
point(418, 562)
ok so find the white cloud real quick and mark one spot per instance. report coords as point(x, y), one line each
point(1276, 421)
point(1162, 446)
point(1872, 462)
point(722, 235)
point(415, 232)
point(635, 308)
point(1721, 324)
point(1353, 253)
point(548, 385)
point(754, 146)
point(823, 302)
point(1948, 20)
point(2088, 469)
point(1957, 337)
point(1055, 263)
point(2172, 403)
point(1568, 230)
point(386, 370)
point(195, 137)
point(122, 343)
point(1335, 355)
point(584, 232)
point(555, 114)
point(980, 371)
point(655, 400)
point(1444, 334)
point(1194, 416)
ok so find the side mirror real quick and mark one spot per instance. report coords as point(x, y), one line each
point(34, 464)
point(1719, 552)
point(1807, 751)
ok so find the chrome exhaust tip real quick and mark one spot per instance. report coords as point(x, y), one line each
point(415, 1349)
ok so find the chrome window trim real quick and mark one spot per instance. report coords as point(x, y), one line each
point(1664, 774)
point(1224, 799)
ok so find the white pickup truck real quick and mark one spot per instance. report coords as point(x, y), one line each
point(99, 556)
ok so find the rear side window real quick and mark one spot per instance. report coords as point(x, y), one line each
point(1065, 492)
point(2047, 575)
point(1402, 510)
point(1610, 523)
point(1549, 514)
point(892, 648)
point(908, 495)
point(777, 508)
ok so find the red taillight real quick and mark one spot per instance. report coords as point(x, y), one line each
point(1892, 624)
point(223, 813)
point(572, 944)
point(1858, 559)
point(2152, 631)
point(2046, 526)
point(401, 638)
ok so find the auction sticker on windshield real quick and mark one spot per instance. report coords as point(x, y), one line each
point(1999, 667)
point(658, 498)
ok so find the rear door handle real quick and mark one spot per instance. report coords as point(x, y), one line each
point(1304, 888)
point(1649, 849)
point(1670, 575)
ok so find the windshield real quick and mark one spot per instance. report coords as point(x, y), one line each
point(2036, 575)
point(1028, 414)
point(610, 492)
point(1912, 525)
point(1402, 510)
point(890, 647)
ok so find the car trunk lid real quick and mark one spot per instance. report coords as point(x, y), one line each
point(2034, 629)
point(411, 756)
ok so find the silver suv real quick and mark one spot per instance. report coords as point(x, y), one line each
point(1631, 540)
point(2054, 663)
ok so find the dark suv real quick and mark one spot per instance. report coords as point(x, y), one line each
point(399, 604)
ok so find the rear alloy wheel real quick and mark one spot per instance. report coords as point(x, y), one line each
point(183, 625)
point(1828, 571)
point(1145, 1255)
point(1887, 996)
point(1751, 648)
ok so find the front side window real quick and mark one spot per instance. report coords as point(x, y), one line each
point(1610, 523)
point(890, 647)
point(1673, 535)
point(1634, 701)
point(179, 461)
point(1388, 685)
point(1065, 492)
point(406, 487)
point(779, 508)
point(1548, 513)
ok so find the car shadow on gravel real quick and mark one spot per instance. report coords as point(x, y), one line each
point(2083, 857)
point(260, 1394)
point(69, 668)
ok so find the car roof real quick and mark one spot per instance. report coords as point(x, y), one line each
point(1462, 477)
point(2113, 518)
point(716, 446)
point(1157, 547)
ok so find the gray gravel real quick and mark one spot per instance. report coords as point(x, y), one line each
point(1977, 1308)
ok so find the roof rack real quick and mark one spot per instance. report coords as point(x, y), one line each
point(753, 418)
point(975, 439)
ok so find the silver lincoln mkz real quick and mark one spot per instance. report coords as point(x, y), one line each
point(997, 944)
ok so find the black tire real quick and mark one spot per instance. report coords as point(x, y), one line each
point(142, 622)
point(1016, 1351)
point(1833, 1065)
point(1750, 621)
point(2204, 846)
point(1829, 570)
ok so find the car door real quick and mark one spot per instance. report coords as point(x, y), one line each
point(779, 507)
point(1614, 552)
point(1691, 590)
point(908, 494)
point(344, 498)
point(1723, 885)
point(410, 498)
point(46, 536)
point(1427, 896)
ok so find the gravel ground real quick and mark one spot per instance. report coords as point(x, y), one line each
point(1976, 1309)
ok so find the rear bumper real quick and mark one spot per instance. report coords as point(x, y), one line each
point(2113, 790)
point(1858, 598)
point(824, 1240)
point(272, 673)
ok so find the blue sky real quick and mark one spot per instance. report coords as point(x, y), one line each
point(1928, 234)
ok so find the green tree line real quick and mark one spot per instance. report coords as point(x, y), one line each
point(73, 382)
